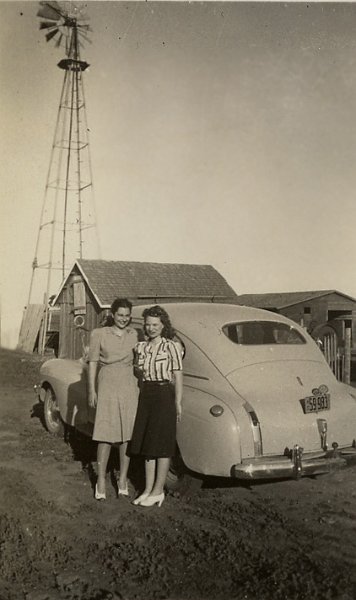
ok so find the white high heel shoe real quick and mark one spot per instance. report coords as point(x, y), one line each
point(152, 500)
point(99, 495)
point(123, 491)
point(140, 499)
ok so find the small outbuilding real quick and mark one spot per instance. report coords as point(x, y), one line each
point(326, 314)
point(85, 296)
point(309, 309)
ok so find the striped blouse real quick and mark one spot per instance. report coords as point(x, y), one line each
point(158, 361)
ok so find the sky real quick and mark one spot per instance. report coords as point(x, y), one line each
point(220, 133)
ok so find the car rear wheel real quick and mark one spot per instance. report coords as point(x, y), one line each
point(52, 417)
point(180, 479)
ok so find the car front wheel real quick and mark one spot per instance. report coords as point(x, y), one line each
point(52, 417)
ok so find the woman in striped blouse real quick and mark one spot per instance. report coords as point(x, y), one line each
point(159, 360)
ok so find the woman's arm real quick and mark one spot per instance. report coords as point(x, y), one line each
point(93, 358)
point(92, 395)
point(178, 390)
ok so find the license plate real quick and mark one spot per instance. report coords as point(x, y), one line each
point(316, 403)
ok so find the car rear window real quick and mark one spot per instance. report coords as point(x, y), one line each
point(262, 332)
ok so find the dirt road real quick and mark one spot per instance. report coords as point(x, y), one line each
point(272, 541)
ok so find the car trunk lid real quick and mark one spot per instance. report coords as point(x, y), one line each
point(277, 392)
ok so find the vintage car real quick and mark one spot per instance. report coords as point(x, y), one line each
point(260, 400)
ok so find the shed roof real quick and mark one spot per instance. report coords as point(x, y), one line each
point(284, 299)
point(146, 281)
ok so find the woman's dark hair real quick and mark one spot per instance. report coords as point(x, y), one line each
point(118, 303)
point(121, 303)
point(157, 311)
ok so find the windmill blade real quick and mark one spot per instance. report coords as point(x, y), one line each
point(51, 34)
point(53, 4)
point(60, 10)
point(58, 42)
point(85, 26)
point(84, 37)
point(47, 24)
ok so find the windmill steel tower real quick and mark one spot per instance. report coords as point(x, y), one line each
point(67, 229)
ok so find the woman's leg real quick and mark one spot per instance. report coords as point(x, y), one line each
point(161, 476)
point(150, 472)
point(103, 454)
point(124, 465)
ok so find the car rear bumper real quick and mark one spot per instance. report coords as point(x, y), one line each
point(297, 465)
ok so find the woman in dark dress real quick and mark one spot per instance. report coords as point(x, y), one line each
point(159, 360)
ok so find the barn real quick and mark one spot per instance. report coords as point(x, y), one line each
point(84, 299)
point(328, 315)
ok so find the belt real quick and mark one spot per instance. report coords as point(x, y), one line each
point(156, 382)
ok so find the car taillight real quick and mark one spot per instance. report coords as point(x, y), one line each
point(256, 429)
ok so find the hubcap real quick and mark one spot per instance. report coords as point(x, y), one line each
point(53, 412)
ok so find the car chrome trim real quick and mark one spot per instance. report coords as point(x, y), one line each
point(297, 455)
point(216, 410)
point(255, 428)
point(323, 432)
point(285, 467)
point(196, 376)
point(348, 451)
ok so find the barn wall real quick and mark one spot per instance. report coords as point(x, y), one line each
point(318, 312)
point(74, 338)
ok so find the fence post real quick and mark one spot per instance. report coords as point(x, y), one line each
point(347, 369)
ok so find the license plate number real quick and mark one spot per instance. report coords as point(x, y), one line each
point(316, 403)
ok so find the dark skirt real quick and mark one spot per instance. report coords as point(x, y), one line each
point(154, 432)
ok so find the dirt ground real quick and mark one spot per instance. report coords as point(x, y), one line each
point(267, 541)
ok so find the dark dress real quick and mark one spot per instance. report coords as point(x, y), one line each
point(154, 434)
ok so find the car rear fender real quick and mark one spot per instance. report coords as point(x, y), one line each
point(208, 444)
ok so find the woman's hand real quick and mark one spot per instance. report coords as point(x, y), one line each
point(178, 389)
point(92, 395)
point(179, 411)
point(92, 398)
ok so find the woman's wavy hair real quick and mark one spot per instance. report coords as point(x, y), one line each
point(157, 311)
point(121, 303)
point(117, 303)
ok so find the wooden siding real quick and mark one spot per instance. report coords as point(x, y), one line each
point(320, 309)
point(30, 327)
point(74, 340)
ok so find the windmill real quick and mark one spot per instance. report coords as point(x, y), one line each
point(67, 229)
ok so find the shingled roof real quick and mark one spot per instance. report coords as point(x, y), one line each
point(145, 281)
point(284, 299)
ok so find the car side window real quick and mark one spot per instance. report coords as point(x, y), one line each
point(262, 333)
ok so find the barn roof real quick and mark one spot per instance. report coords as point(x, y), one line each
point(284, 299)
point(146, 281)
